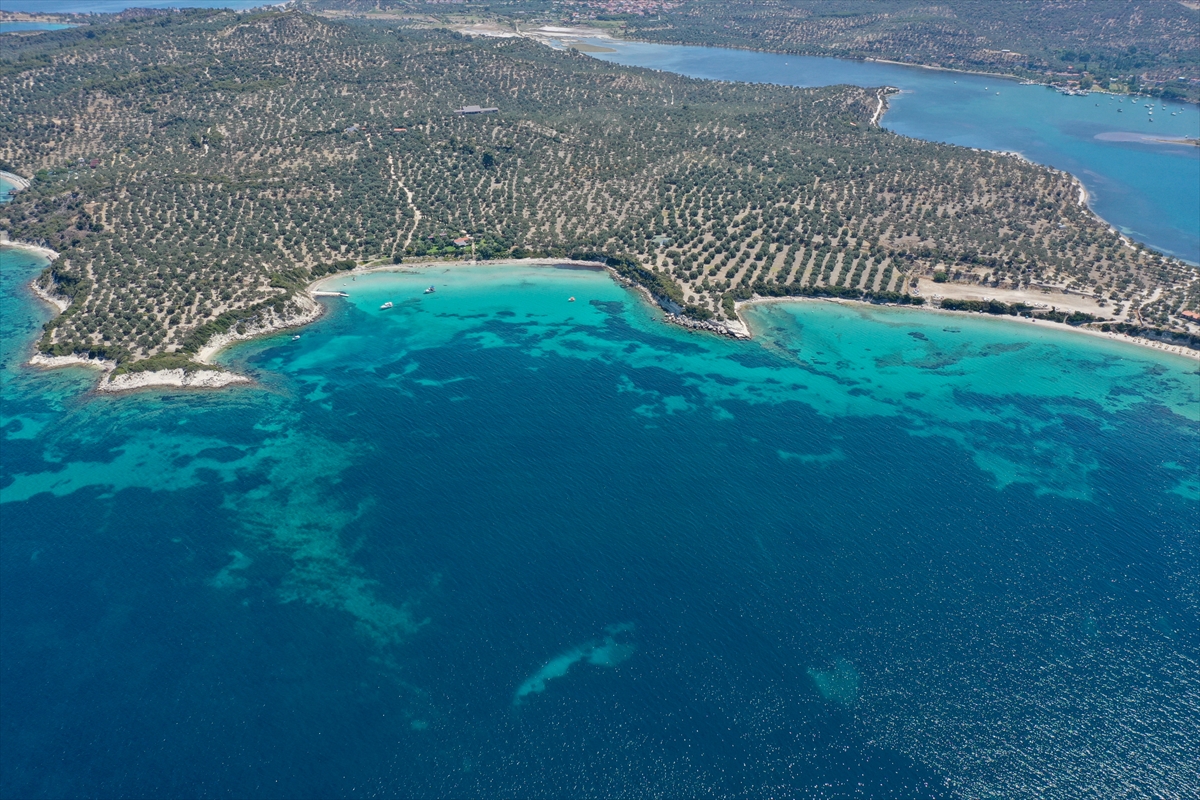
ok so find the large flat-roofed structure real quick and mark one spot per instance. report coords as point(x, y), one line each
point(475, 110)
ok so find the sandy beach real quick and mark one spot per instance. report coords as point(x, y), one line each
point(309, 310)
point(1035, 297)
point(28, 247)
point(1178, 350)
point(738, 328)
point(17, 181)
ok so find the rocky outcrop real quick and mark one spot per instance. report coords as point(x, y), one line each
point(176, 378)
point(54, 362)
point(732, 329)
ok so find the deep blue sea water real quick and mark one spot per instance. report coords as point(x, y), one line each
point(1148, 189)
point(492, 542)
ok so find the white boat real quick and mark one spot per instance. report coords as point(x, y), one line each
point(430, 290)
point(386, 305)
point(294, 338)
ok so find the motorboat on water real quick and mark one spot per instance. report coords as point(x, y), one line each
point(386, 305)
point(571, 300)
point(294, 338)
point(430, 290)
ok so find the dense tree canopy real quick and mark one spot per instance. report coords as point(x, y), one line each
point(196, 169)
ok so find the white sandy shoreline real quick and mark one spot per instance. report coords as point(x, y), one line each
point(309, 309)
point(738, 328)
point(29, 247)
point(1178, 350)
point(19, 183)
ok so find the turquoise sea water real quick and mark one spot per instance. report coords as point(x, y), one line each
point(7, 26)
point(493, 542)
point(1147, 189)
point(5, 190)
point(115, 6)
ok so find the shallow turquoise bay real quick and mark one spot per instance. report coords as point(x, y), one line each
point(490, 541)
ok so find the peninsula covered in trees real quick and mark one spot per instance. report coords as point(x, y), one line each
point(196, 170)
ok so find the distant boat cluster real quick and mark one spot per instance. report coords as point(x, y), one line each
point(390, 304)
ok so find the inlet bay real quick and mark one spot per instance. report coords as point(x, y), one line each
point(1148, 189)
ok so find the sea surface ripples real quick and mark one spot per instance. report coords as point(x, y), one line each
point(490, 541)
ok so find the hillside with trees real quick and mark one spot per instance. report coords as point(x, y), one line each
point(196, 170)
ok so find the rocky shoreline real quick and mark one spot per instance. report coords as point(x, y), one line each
point(131, 381)
point(60, 303)
point(171, 378)
point(304, 309)
point(307, 310)
point(730, 328)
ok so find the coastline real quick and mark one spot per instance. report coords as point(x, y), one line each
point(734, 329)
point(1177, 350)
point(308, 310)
point(871, 60)
point(739, 329)
point(129, 381)
point(29, 247)
point(19, 183)
point(60, 303)
point(133, 381)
